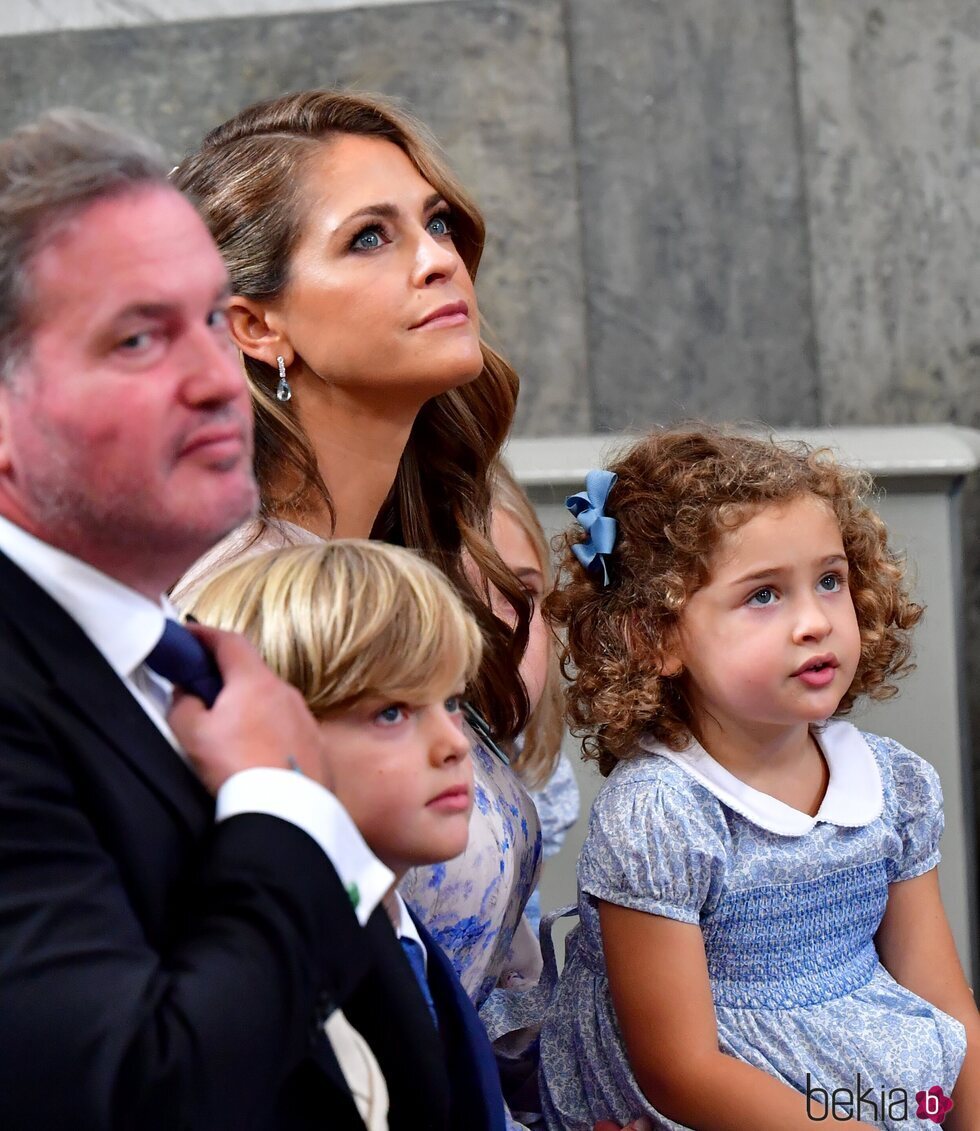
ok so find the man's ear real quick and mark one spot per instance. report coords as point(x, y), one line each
point(6, 454)
point(254, 329)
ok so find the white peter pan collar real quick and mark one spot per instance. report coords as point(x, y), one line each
point(853, 799)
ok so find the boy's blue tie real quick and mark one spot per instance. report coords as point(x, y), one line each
point(180, 657)
point(416, 959)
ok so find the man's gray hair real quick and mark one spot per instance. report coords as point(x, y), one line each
point(49, 171)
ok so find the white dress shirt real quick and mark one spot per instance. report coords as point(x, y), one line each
point(125, 626)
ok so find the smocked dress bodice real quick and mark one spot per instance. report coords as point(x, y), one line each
point(788, 905)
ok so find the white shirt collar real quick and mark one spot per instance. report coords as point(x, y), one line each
point(405, 927)
point(123, 624)
point(853, 799)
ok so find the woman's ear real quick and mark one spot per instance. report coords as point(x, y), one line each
point(253, 329)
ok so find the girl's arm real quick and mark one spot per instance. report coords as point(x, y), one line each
point(916, 947)
point(658, 976)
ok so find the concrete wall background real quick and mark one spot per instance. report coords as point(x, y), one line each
point(766, 210)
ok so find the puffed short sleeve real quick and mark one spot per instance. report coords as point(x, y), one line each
point(655, 849)
point(919, 818)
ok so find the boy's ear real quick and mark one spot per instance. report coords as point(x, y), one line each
point(254, 329)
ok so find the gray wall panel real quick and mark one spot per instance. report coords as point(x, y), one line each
point(890, 97)
point(693, 221)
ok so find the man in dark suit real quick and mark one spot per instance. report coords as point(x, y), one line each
point(180, 910)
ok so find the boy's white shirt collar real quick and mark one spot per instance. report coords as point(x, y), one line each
point(854, 796)
point(405, 927)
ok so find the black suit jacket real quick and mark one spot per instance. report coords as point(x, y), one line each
point(476, 1097)
point(159, 971)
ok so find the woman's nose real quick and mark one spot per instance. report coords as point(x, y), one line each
point(435, 259)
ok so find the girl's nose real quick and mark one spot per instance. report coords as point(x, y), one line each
point(812, 622)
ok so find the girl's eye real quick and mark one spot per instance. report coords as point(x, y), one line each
point(762, 597)
point(369, 239)
point(392, 715)
point(831, 582)
point(440, 224)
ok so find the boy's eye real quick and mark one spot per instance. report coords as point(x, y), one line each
point(831, 582)
point(762, 597)
point(389, 716)
point(454, 704)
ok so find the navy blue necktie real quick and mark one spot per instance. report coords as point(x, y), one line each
point(416, 959)
point(182, 658)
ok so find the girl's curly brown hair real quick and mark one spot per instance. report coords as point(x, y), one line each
point(677, 493)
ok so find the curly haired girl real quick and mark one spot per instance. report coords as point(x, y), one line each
point(762, 940)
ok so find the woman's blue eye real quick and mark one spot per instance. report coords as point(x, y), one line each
point(368, 240)
point(831, 582)
point(440, 225)
point(762, 597)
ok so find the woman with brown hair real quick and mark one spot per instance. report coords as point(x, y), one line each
point(352, 251)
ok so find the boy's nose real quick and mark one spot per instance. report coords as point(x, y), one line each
point(449, 741)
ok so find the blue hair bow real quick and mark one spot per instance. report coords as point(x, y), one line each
point(587, 506)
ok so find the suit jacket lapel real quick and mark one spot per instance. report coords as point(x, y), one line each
point(477, 1097)
point(89, 687)
point(390, 1013)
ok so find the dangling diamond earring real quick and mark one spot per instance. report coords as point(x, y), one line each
point(283, 391)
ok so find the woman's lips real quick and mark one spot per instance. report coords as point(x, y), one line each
point(452, 314)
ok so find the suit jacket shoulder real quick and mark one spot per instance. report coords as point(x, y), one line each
point(170, 969)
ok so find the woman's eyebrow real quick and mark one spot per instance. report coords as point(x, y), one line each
point(388, 211)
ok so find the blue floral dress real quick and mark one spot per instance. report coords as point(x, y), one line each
point(472, 905)
point(788, 905)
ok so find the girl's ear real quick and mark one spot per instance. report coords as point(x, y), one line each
point(253, 328)
point(671, 658)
